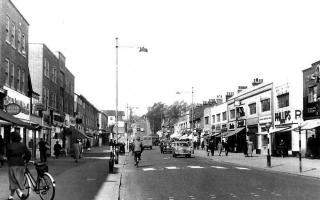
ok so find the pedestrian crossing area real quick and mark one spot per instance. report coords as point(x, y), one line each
point(192, 167)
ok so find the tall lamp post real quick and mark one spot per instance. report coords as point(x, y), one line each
point(141, 49)
point(268, 125)
point(192, 92)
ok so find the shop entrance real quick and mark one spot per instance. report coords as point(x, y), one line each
point(276, 147)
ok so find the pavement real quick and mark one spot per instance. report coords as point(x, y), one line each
point(109, 187)
point(289, 165)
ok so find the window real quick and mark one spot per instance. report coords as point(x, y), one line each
point(23, 44)
point(6, 72)
point(206, 120)
point(213, 119)
point(44, 97)
point(48, 97)
point(46, 68)
point(19, 41)
point(253, 108)
point(18, 79)
point(54, 74)
point(283, 100)
point(11, 72)
point(265, 105)
point(224, 116)
point(232, 114)
point(23, 78)
point(8, 29)
point(218, 117)
point(312, 94)
point(13, 36)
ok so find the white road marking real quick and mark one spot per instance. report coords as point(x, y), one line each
point(91, 179)
point(218, 167)
point(172, 167)
point(242, 168)
point(195, 167)
point(148, 169)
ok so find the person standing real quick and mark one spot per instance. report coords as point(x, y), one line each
point(17, 154)
point(282, 148)
point(57, 148)
point(250, 148)
point(211, 147)
point(1, 151)
point(77, 150)
point(43, 147)
point(88, 145)
point(220, 148)
point(226, 147)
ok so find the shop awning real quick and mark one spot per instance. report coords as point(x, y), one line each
point(13, 120)
point(78, 134)
point(216, 134)
point(275, 130)
point(231, 133)
point(184, 137)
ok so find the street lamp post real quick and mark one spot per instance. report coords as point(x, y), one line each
point(268, 125)
point(141, 49)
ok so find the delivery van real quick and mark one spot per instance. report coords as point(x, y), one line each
point(147, 142)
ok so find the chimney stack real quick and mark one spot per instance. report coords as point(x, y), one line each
point(257, 81)
point(240, 88)
point(229, 95)
point(219, 99)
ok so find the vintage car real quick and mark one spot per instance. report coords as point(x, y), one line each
point(166, 147)
point(181, 148)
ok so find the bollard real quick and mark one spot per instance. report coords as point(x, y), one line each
point(111, 162)
point(117, 156)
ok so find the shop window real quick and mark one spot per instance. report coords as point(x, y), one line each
point(232, 114)
point(312, 94)
point(265, 105)
point(283, 100)
point(253, 108)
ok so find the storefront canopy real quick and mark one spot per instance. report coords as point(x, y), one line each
point(275, 130)
point(184, 137)
point(6, 117)
point(78, 134)
point(216, 134)
point(231, 133)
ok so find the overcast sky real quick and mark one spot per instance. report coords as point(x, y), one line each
point(213, 46)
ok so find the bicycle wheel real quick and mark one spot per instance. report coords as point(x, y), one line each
point(46, 187)
point(137, 161)
point(26, 186)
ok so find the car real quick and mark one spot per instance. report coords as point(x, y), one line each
point(167, 148)
point(181, 148)
point(147, 142)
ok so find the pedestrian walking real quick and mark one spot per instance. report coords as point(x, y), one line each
point(226, 147)
point(220, 148)
point(245, 149)
point(211, 147)
point(43, 147)
point(282, 148)
point(17, 154)
point(250, 148)
point(57, 149)
point(1, 151)
point(88, 145)
point(77, 150)
point(202, 145)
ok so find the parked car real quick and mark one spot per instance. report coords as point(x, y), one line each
point(181, 148)
point(167, 148)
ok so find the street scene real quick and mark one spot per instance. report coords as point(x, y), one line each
point(159, 100)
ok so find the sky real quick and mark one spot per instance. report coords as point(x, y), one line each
point(213, 46)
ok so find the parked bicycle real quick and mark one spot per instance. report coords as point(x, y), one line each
point(43, 185)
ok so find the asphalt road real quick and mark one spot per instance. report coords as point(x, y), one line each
point(160, 176)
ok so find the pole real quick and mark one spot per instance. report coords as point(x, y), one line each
point(192, 116)
point(117, 89)
point(268, 156)
point(116, 152)
point(300, 162)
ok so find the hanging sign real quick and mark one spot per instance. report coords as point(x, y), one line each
point(13, 108)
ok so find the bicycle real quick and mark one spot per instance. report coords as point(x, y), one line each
point(44, 185)
point(137, 158)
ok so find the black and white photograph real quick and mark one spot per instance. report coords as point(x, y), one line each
point(159, 100)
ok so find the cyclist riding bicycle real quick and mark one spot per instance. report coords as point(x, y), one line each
point(137, 148)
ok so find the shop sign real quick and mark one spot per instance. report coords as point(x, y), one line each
point(39, 107)
point(264, 119)
point(72, 121)
point(13, 108)
point(285, 116)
